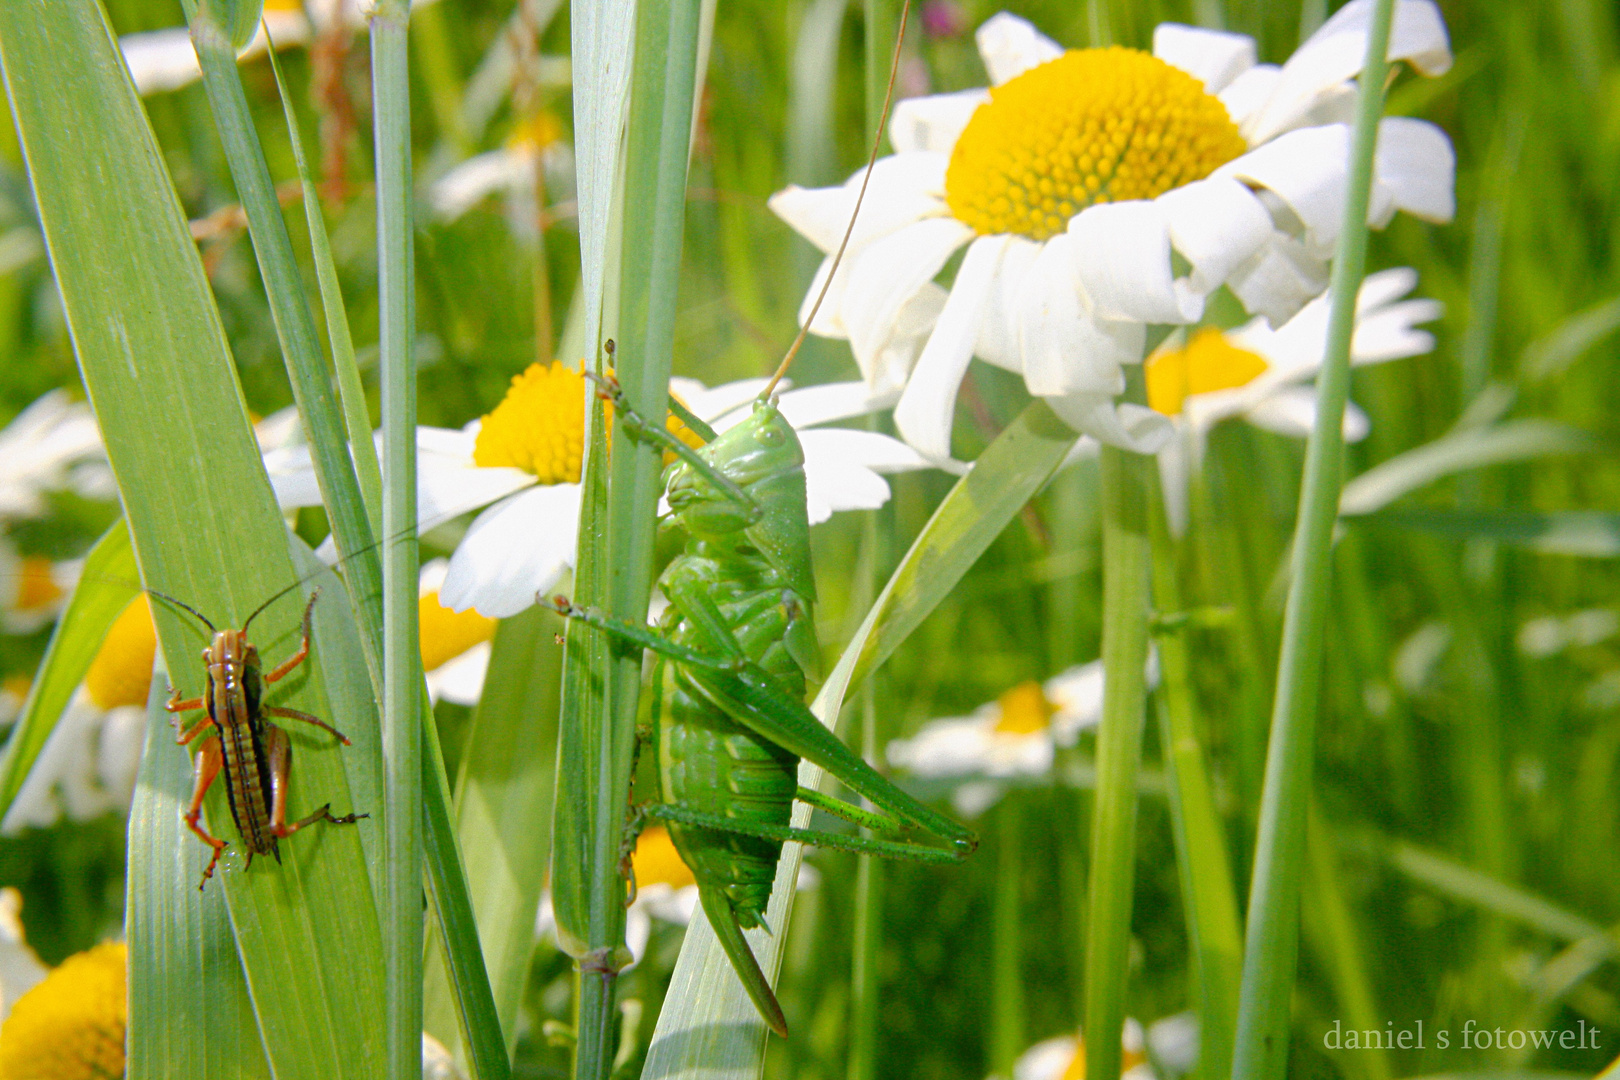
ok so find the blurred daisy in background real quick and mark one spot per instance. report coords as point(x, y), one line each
point(52, 445)
point(1097, 191)
point(1267, 376)
point(87, 765)
point(535, 160)
point(455, 644)
point(33, 589)
point(71, 1023)
point(20, 969)
point(1168, 1048)
point(522, 461)
point(161, 60)
point(1011, 739)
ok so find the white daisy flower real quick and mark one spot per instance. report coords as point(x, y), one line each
point(1012, 738)
point(455, 644)
point(522, 461)
point(535, 151)
point(52, 445)
point(1065, 1057)
point(33, 589)
point(162, 60)
point(1097, 191)
point(1267, 376)
point(20, 969)
point(87, 765)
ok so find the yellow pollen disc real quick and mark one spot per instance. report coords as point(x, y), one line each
point(536, 133)
point(447, 634)
point(1024, 710)
point(656, 860)
point(539, 426)
point(17, 685)
point(121, 673)
point(70, 1026)
point(1092, 126)
point(1209, 363)
point(36, 584)
point(284, 5)
point(1076, 1068)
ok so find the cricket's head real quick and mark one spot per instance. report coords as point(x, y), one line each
point(231, 649)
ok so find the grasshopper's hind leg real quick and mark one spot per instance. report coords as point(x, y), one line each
point(280, 755)
point(210, 759)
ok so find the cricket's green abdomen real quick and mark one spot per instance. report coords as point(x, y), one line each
point(709, 762)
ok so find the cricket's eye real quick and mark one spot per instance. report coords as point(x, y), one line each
point(770, 436)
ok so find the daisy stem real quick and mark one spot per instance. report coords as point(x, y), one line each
point(1006, 944)
point(1215, 936)
point(1126, 489)
point(402, 672)
point(1271, 951)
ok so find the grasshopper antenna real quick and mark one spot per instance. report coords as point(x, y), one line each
point(877, 141)
point(166, 598)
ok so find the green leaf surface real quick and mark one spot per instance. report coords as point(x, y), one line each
point(1473, 448)
point(709, 1027)
point(96, 604)
point(204, 527)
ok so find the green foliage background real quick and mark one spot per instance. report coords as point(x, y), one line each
point(1494, 760)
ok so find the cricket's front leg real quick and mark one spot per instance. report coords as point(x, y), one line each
point(210, 759)
point(279, 752)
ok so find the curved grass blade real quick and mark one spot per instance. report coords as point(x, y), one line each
point(202, 519)
point(95, 605)
point(1591, 534)
point(708, 1026)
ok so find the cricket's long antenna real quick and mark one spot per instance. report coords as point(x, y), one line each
point(165, 597)
point(877, 141)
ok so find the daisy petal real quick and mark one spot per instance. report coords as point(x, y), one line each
point(465, 185)
point(1279, 280)
point(1249, 92)
point(1122, 253)
point(444, 493)
point(1335, 53)
point(926, 408)
point(1067, 349)
point(904, 187)
point(1011, 46)
point(1388, 334)
point(868, 449)
point(831, 402)
point(460, 680)
point(1417, 166)
point(998, 329)
point(1133, 427)
point(515, 549)
point(1213, 57)
point(1175, 478)
point(833, 485)
point(933, 122)
point(1384, 286)
point(1304, 169)
point(888, 273)
point(713, 404)
point(1292, 411)
point(160, 60)
point(1215, 224)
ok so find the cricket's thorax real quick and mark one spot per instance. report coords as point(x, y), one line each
point(234, 689)
point(707, 761)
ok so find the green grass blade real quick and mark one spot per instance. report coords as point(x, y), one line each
point(1591, 534)
point(95, 606)
point(503, 804)
point(708, 1025)
point(1473, 448)
point(238, 18)
point(1272, 945)
point(352, 393)
point(202, 519)
point(191, 1015)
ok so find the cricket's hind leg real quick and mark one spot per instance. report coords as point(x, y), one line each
point(210, 759)
point(280, 755)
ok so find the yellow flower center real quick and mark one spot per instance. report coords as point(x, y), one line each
point(535, 134)
point(539, 426)
point(447, 634)
point(1208, 363)
point(70, 1026)
point(37, 589)
point(284, 5)
point(121, 673)
point(16, 685)
point(656, 860)
point(1024, 710)
point(1076, 1068)
point(1092, 126)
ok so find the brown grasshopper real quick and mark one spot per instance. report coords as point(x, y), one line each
point(254, 754)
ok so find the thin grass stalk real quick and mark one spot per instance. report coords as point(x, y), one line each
point(1271, 950)
point(1126, 489)
point(1006, 941)
point(664, 79)
point(1215, 937)
point(402, 672)
point(294, 322)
